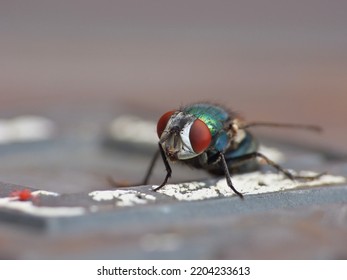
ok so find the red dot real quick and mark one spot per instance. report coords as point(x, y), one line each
point(22, 195)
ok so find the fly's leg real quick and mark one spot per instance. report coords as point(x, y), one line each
point(167, 167)
point(150, 168)
point(227, 174)
point(239, 160)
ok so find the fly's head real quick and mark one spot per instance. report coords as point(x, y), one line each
point(182, 135)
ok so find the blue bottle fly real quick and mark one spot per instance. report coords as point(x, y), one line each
point(212, 138)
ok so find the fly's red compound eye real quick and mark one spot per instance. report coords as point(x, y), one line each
point(199, 136)
point(163, 122)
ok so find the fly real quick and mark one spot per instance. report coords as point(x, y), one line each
point(212, 138)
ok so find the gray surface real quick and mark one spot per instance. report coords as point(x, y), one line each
point(167, 211)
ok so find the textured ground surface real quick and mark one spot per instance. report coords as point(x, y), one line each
point(73, 212)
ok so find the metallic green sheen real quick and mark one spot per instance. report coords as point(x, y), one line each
point(213, 116)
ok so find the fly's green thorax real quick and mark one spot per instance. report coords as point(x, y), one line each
point(213, 116)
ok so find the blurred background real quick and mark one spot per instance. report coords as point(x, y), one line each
point(82, 63)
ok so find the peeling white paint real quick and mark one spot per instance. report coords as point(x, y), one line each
point(250, 183)
point(29, 208)
point(42, 192)
point(123, 197)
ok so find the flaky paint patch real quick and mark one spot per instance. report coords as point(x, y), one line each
point(123, 197)
point(29, 208)
point(250, 183)
point(42, 192)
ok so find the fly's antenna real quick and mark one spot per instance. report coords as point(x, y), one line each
point(313, 128)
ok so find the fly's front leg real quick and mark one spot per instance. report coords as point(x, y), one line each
point(227, 174)
point(167, 167)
